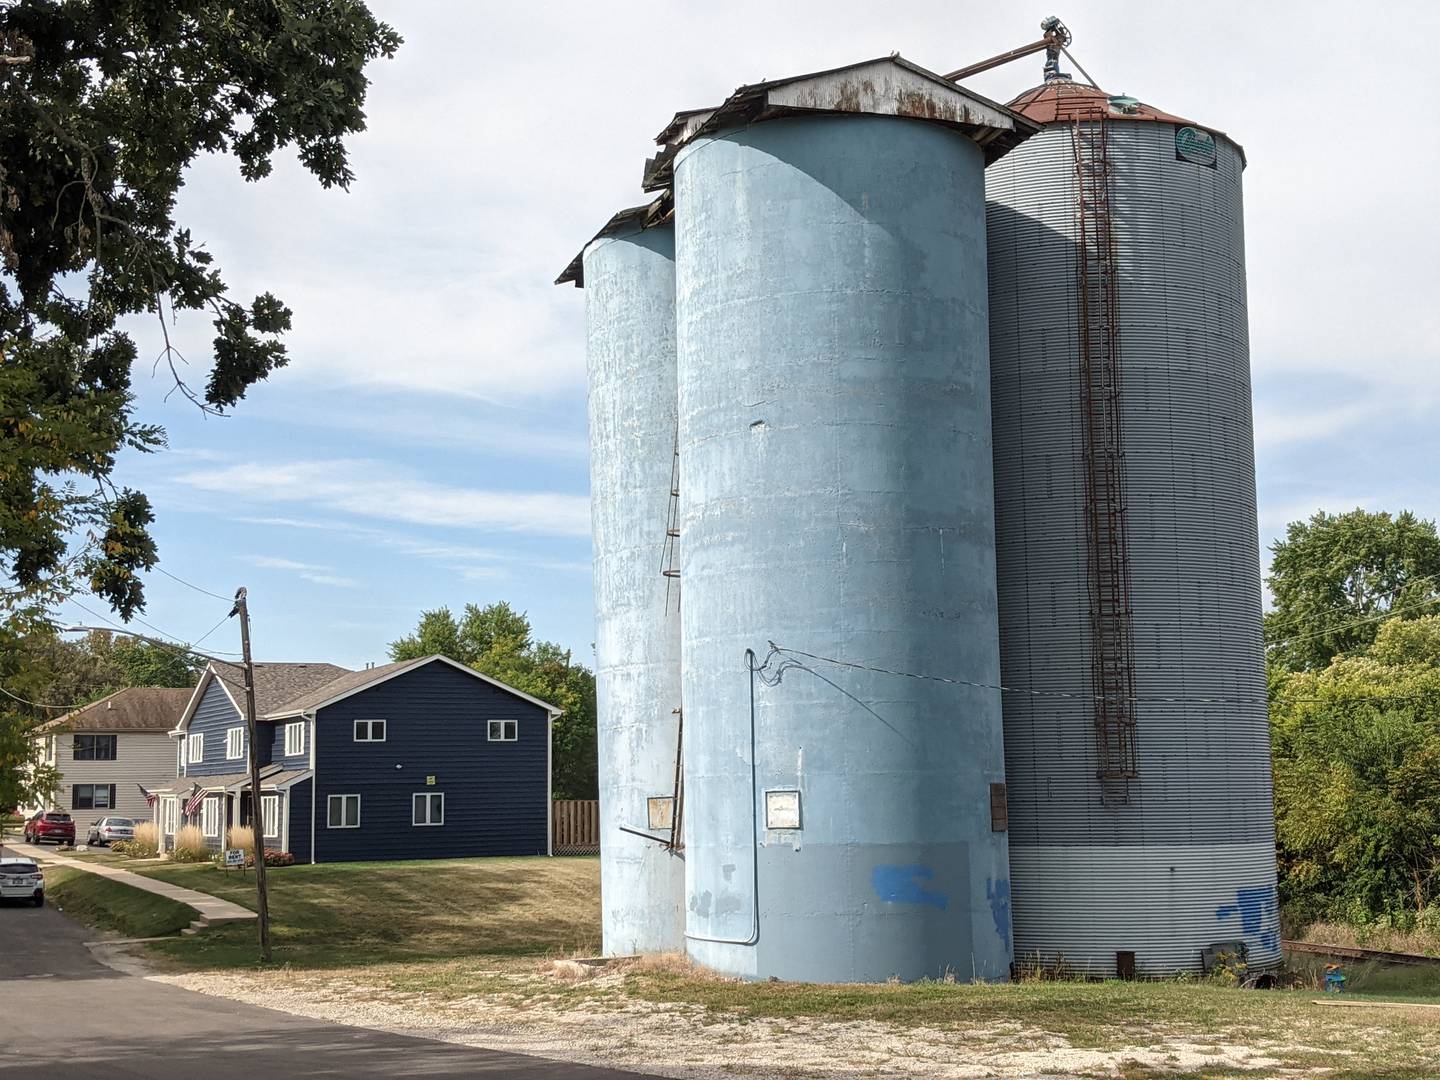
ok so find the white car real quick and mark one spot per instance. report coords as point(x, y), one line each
point(20, 879)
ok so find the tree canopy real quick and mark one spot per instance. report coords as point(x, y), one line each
point(1357, 779)
point(498, 640)
point(103, 105)
point(57, 675)
point(1336, 577)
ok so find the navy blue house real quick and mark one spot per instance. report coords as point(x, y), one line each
point(421, 759)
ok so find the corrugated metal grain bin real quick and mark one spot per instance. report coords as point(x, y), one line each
point(1138, 760)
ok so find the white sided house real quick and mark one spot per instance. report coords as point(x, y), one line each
point(112, 752)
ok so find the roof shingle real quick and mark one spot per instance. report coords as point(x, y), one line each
point(137, 708)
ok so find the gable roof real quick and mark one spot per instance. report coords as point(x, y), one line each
point(277, 684)
point(356, 681)
point(137, 708)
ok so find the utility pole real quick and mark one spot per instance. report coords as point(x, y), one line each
point(257, 813)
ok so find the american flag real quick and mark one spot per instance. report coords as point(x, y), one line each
point(192, 805)
point(150, 796)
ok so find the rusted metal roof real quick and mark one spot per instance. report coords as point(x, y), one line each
point(652, 213)
point(887, 86)
point(1064, 101)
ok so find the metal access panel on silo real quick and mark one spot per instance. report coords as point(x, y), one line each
point(837, 501)
point(629, 279)
point(1184, 857)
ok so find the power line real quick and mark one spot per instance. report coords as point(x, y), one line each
point(41, 704)
point(774, 680)
point(173, 642)
point(197, 588)
point(212, 629)
point(1358, 622)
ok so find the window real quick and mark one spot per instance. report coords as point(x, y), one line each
point(92, 796)
point(502, 731)
point(234, 743)
point(344, 812)
point(49, 746)
point(167, 816)
point(210, 817)
point(195, 751)
point(369, 730)
point(270, 816)
point(94, 748)
point(295, 738)
point(427, 808)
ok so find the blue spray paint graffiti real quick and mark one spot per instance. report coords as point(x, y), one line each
point(998, 893)
point(1259, 914)
point(906, 885)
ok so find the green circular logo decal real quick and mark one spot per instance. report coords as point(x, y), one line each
point(1196, 145)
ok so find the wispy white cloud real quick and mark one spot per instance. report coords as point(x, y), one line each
point(320, 575)
point(471, 563)
point(374, 490)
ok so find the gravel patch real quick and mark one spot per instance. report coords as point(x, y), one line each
point(686, 1041)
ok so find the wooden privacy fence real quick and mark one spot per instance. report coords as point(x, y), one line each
point(577, 827)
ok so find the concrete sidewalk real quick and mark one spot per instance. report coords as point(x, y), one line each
point(211, 909)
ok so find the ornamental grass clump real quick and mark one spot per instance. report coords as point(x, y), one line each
point(146, 842)
point(242, 837)
point(190, 845)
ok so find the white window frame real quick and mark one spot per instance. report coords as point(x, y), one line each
point(234, 743)
point(427, 796)
point(370, 730)
point(270, 816)
point(210, 817)
point(511, 725)
point(169, 815)
point(330, 802)
point(295, 738)
point(195, 748)
point(179, 756)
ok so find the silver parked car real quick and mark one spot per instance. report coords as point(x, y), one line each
point(109, 829)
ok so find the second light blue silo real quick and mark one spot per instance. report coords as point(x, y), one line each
point(629, 278)
point(842, 822)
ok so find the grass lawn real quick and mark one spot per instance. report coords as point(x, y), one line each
point(436, 934)
point(352, 914)
point(110, 905)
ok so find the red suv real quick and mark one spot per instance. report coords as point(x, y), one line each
point(50, 825)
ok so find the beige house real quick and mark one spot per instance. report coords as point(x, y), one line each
point(111, 749)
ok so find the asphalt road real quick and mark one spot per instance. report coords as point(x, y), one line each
point(65, 1015)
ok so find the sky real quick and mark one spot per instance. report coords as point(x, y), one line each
point(426, 446)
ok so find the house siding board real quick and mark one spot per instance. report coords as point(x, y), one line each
point(141, 757)
point(299, 837)
point(276, 746)
point(214, 716)
point(496, 794)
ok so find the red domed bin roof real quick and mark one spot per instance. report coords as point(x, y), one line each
point(1063, 101)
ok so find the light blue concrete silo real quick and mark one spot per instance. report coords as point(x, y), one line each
point(629, 278)
point(841, 822)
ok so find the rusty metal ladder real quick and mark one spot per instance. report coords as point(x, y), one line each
point(672, 529)
point(1111, 615)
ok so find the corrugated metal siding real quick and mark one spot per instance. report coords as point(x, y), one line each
point(496, 794)
point(140, 758)
point(214, 716)
point(1204, 769)
point(630, 350)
